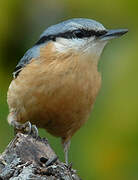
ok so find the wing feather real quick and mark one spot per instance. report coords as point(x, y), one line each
point(34, 52)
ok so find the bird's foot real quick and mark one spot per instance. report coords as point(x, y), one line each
point(34, 131)
point(66, 145)
point(26, 128)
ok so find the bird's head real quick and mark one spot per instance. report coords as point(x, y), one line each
point(79, 35)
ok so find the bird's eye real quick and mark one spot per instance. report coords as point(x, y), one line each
point(78, 34)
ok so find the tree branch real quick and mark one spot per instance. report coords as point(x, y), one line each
point(26, 158)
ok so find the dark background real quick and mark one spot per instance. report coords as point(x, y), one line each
point(106, 148)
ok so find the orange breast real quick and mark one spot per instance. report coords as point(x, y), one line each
point(55, 92)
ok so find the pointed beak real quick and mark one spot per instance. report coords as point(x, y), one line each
point(113, 33)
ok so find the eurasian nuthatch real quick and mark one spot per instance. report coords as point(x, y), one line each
point(56, 82)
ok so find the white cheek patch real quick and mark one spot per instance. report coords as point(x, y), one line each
point(90, 47)
point(60, 47)
point(63, 45)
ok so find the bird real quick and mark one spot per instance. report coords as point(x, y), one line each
point(56, 82)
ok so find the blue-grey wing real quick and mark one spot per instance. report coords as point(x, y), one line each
point(34, 52)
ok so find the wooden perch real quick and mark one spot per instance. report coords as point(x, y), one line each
point(27, 158)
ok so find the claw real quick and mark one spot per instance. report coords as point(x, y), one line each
point(26, 128)
point(34, 131)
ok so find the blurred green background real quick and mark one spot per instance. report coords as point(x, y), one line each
point(106, 148)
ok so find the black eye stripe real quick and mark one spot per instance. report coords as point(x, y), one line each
point(45, 39)
point(80, 33)
point(85, 33)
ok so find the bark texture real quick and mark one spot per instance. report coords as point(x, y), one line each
point(27, 158)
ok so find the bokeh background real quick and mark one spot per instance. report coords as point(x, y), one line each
point(106, 148)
